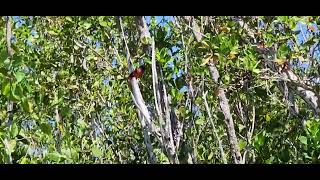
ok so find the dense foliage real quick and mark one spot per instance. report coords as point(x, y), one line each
point(217, 89)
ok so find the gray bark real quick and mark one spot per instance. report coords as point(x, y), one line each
point(10, 105)
point(143, 113)
point(224, 105)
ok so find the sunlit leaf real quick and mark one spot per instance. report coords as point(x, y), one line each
point(5, 88)
point(303, 140)
point(19, 76)
point(96, 152)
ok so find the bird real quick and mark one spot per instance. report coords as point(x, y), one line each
point(137, 73)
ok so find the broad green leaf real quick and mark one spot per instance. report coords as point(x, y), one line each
point(15, 97)
point(96, 151)
point(259, 140)
point(4, 71)
point(6, 62)
point(19, 76)
point(268, 118)
point(14, 130)
point(303, 140)
point(27, 105)
point(46, 128)
point(54, 156)
point(87, 25)
point(5, 88)
point(24, 160)
point(199, 121)
point(96, 84)
point(3, 55)
point(103, 23)
point(69, 18)
point(242, 144)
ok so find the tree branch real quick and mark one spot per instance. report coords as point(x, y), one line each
point(223, 155)
point(145, 120)
point(165, 126)
point(224, 105)
point(10, 105)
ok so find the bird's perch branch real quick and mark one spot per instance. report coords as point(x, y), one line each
point(138, 99)
point(161, 100)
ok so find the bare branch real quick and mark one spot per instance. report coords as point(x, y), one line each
point(145, 120)
point(233, 141)
point(166, 131)
point(147, 141)
point(10, 105)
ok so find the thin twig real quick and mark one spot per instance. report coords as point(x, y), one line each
point(126, 46)
point(193, 29)
point(83, 45)
point(253, 121)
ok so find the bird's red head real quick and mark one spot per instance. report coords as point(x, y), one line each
point(137, 73)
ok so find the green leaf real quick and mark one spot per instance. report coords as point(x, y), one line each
point(199, 121)
point(54, 156)
point(6, 62)
point(87, 25)
point(145, 40)
point(307, 156)
point(259, 140)
point(303, 140)
point(5, 88)
point(241, 127)
point(4, 71)
point(227, 78)
point(96, 152)
point(96, 84)
point(46, 128)
point(268, 118)
point(69, 18)
point(24, 160)
point(257, 71)
point(3, 55)
point(242, 144)
point(76, 47)
point(19, 76)
point(28, 87)
point(11, 146)
point(14, 130)
point(103, 23)
point(27, 105)
point(270, 160)
point(17, 92)
point(210, 155)
point(13, 95)
point(52, 33)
